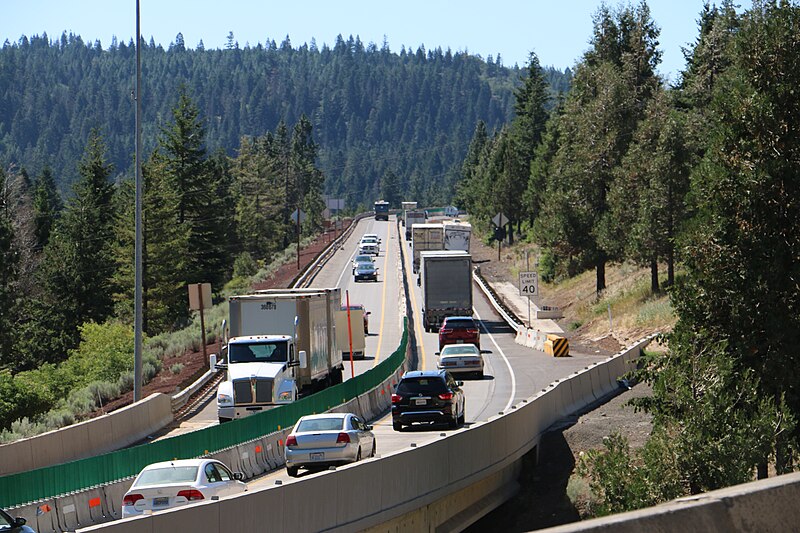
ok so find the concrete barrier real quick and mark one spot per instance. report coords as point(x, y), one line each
point(46, 520)
point(113, 494)
point(99, 435)
point(67, 513)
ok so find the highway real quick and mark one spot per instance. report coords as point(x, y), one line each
point(513, 372)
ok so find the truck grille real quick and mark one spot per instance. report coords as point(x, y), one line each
point(244, 390)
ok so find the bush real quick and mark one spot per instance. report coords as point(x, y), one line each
point(244, 266)
point(176, 368)
point(547, 265)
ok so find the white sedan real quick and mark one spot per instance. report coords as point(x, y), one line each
point(170, 484)
point(320, 441)
point(461, 359)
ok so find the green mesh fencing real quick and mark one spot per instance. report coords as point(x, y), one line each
point(42, 483)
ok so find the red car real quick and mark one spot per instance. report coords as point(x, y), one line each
point(366, 315)
point(459, 330)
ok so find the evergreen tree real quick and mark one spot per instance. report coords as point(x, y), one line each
point(611, 88)
point(47, 206)
point(164, 251)
point(8, 277)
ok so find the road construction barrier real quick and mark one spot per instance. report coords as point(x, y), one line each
point(556, 346)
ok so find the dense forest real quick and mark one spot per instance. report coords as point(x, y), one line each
point(700, 179)
point(373, 111)
point(235, 141)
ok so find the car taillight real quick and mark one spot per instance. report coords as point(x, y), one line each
point(472, 331)
point(192, 495)
point(291, 440)
point(445, 331)
point(343, 438)
point(396, 398)
point(131, 499)
point(446, 396)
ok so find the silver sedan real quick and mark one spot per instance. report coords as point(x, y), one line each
point(320, 441)
point(461, 359)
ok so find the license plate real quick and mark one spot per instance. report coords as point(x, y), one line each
point(160, 502)
point(420, 401)
point(459, 341)
point(317, 456)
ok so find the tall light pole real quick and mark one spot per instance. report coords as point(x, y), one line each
point(137, 292)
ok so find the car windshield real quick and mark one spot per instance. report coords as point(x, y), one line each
point(365, 267)
point(421, 386)
point(363, 259)
point(458, 349)
point(169, 474)
point(319, 424)
point(262, 352)
point(5, 519)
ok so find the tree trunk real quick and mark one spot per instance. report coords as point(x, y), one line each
point(510, 233)
point(761, 470)
point(654, 288)
point(601, 275)
point(671, 267)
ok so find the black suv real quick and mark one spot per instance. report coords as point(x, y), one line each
point(428, 396)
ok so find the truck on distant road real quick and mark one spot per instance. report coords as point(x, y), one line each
point(281, 346)
point(425, 237)
point(446, 281)
point(413, 217)
point(457, 235)
point(381, 210)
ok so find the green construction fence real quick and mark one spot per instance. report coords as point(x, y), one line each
point(27, 487)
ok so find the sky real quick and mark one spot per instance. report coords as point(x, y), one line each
point(557, 31)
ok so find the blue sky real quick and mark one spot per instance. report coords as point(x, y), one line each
point(558, 31)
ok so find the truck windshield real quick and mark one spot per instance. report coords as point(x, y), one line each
point(261, 352)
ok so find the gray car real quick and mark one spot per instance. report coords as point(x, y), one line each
point(329, 439)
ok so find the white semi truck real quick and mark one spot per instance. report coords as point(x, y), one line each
point(446, 281)
point(411, 218)
point(281, 346)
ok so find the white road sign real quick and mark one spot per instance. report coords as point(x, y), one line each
point(500, 220)
point(528, 284)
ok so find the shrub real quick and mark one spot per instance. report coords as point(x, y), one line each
point(176, 368)
point(244, 266)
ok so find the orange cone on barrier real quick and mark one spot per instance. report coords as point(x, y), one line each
point(95, 502)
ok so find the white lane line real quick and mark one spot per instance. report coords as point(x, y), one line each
point(347, 265)
point(510, 370)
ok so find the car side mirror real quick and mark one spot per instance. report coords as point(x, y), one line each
point(486, 351)
point(238, 476)
point(369, 428)
point(437, 353)
point(460, 383)
point(368, 313)
point(18, 522)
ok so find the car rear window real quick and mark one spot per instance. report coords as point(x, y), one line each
point(460, 323)
point(173, 474)
point(320, 424)
point(458, 349)
point(421, 385)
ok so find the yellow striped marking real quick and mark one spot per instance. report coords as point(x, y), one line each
point(417, 312)
point(383, 298)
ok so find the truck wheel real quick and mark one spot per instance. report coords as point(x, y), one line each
point(292, 470)
point(374, 448)
point(397, 426)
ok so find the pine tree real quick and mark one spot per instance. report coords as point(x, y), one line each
point(47, 206)
point(8, 277)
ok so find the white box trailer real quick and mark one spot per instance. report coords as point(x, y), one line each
point(281, 346)
point(425, 237)
point(446, 281)
point(457, 235)
point(411, 218)
point(356, 330)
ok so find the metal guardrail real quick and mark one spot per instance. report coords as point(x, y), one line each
point(497, 302)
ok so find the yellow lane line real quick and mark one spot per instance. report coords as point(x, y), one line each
point(383, 298)
point(417, 310)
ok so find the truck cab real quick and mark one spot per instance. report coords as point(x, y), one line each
point(260, 375)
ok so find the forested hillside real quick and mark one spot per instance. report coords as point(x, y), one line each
point(373, 111)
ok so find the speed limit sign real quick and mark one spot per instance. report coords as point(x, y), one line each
point(528, 284)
